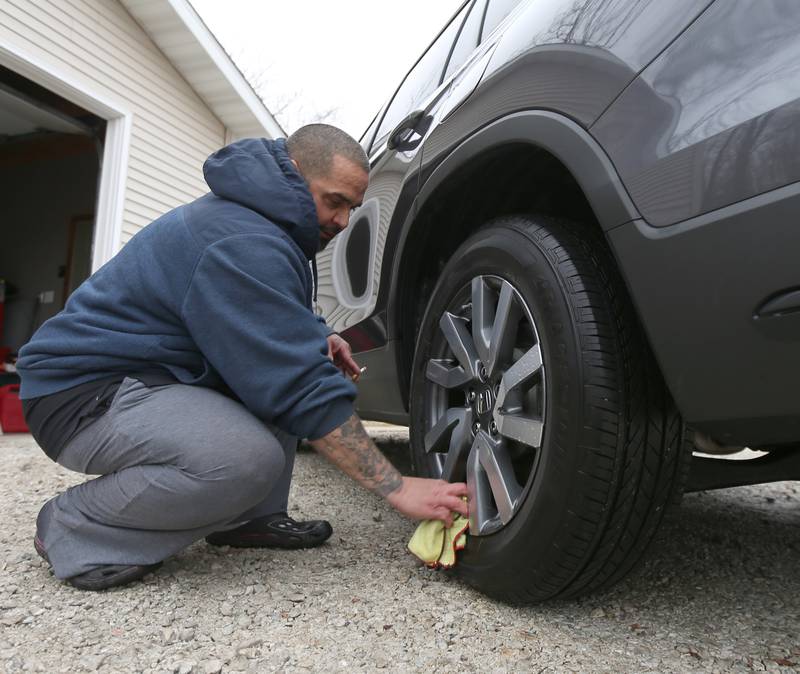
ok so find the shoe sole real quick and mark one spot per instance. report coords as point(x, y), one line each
point(279, 538)
point(39, 547)
point(104, 577)
point(259, 542)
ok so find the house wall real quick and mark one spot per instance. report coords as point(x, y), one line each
point(98, 42)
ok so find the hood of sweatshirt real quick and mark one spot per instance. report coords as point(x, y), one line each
point(258, 173)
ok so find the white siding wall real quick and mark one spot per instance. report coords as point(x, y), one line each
point(173, 131)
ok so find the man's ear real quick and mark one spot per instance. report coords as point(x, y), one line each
point(297, 166)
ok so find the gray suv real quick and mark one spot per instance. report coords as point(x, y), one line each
point(576, 264)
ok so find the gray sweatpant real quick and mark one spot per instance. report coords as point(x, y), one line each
point(176, 463)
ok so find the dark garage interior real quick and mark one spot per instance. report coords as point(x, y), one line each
point(49, 169)
point(50, 153)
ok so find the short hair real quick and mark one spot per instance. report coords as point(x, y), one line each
point(314, 146)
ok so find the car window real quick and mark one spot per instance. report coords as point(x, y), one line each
point(495, 13)
point(369, 134)
point(467, 39)
point(423, 78)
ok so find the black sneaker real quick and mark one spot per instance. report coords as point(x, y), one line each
point(274, 531)
point(103, 577)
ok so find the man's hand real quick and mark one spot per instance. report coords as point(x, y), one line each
point(422, 499)
point(350, 448)
point(341, 355)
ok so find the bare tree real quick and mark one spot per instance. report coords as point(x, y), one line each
point(292, 108)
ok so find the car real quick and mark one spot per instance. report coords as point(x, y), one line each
point(577, 265)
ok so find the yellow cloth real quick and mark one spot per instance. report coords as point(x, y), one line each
point(436, 544)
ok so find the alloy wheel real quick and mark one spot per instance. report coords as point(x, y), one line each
point(485, 399)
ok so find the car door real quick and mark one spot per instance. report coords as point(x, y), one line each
point(706, 142)
point(350, 268)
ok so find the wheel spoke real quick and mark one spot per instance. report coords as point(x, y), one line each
point(510, 424)
point(522, 429)
point(435, 438)
point(521, 371)
point(460, 440)
point(483, 311)
point(458, 338)
point(448, 376)
point(479, 491)
point(494, 459)
point(504, 331)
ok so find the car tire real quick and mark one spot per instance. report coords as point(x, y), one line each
point(572, 467)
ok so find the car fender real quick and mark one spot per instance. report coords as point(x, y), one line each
point(558, 135)
point(569, 142)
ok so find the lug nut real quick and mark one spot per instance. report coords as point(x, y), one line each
point(482, 372)
point(471, 396)
point(476, 427)
point(493, 428)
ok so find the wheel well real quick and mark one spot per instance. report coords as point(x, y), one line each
point(510, 179)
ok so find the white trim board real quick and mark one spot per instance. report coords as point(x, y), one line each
point(107, 236)
point(111, 201)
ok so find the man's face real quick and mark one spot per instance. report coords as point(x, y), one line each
point(336, 195)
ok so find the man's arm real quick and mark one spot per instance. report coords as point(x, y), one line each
point(350, 449)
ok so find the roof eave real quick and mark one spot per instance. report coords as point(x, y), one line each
point(179, 32)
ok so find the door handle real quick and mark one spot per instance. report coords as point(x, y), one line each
point(418, 122)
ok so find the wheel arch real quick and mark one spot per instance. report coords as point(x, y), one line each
point(573, 175)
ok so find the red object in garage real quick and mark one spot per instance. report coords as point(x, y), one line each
point(2, 303)
point(11, 418)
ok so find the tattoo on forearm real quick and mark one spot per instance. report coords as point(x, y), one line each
point(351, 449)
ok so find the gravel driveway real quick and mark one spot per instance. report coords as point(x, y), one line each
point(721, 592)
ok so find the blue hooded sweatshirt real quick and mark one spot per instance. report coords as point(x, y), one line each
point(216, 292)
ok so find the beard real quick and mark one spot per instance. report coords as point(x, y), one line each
point(325, 237)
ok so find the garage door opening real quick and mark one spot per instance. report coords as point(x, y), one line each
point(50, 161)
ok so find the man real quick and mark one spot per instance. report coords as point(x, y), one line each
point(185, 369)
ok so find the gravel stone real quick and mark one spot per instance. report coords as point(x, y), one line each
point(186, 634)
point(211, 667)
point(719, 593)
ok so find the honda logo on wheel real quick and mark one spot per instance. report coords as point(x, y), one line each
point(484, 401)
